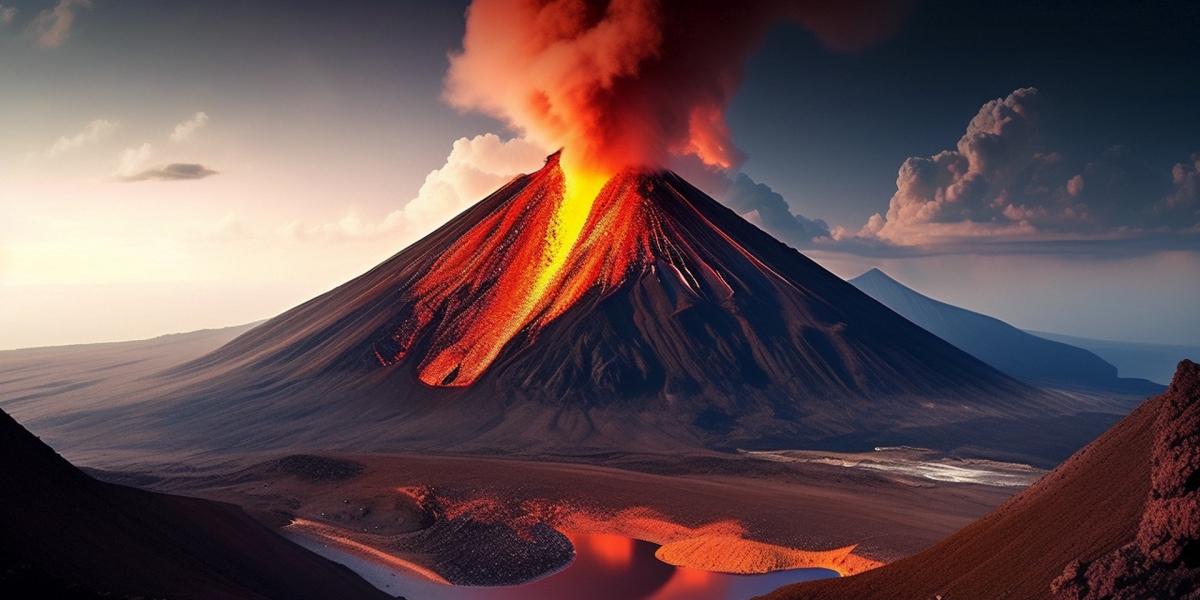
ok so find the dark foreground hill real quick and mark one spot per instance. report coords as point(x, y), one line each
point(64, 535)
point(1120, 519)
point(1001, 345)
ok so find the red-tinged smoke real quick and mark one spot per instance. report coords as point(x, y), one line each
point(620, 83)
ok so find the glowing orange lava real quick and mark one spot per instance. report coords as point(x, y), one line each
point(614, 551)
point(551, 239)
point(500, 279)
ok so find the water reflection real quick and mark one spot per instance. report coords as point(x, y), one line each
point(606, 567)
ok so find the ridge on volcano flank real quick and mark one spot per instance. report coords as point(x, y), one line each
point(645, 318)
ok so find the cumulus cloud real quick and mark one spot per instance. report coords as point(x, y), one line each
point(171, 172)
point(999, 185)
point(770, 212)
point(187, 130)
point(1185, 197)
point(475, 168)
point(94, 132)
point(51, 27)
point(7, 14)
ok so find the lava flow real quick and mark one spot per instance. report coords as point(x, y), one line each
point(519, 253)
point(554, 241)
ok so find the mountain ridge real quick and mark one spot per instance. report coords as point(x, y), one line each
point(1015, 352)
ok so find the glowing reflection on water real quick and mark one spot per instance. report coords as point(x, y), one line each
point(606, 567)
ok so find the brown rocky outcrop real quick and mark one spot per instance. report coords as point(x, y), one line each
point(1119, 520)
point(1163, 561)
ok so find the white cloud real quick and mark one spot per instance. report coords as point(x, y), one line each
point(187, 129)
point(51, 27)
point(475, 168)
point(94, 131)
point(7, 14)
point(131, 160)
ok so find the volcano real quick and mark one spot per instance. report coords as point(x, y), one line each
point(649, 319)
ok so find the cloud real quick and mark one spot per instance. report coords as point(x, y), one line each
point(1185, 197)
point(94, 132)
point(187, 130)
point(130, 160)
point(998, 186)
point(171, 172)
point(51, 27)
point(475, 168)
point(7, 14)
point(770, 212)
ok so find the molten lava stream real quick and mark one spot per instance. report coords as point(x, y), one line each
point(580, 188)
point(522, 252)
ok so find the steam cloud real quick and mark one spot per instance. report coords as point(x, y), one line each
point(625, 83)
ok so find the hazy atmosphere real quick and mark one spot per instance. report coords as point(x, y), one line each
point(171, 166)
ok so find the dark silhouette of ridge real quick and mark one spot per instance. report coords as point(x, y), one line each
point(1001, 345)
point(668, 323)
point(1119, 519)
point(64, 535)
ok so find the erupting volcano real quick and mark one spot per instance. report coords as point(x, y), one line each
point(567, 317)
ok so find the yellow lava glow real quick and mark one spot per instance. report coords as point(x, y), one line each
point(583, 184)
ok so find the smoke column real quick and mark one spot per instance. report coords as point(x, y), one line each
point(627, 83)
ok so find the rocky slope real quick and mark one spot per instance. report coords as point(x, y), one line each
point(1116, 520)
point(1163, 561)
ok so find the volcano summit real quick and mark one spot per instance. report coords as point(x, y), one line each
point(649, 319)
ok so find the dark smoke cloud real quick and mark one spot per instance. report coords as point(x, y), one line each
point(760, 203)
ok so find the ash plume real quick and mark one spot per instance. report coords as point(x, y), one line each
point(623, 83)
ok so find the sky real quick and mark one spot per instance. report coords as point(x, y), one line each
point(170, 166)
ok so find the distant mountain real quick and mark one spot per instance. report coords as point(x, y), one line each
point(652, 319)
point(1155, 362)
point(1001, 345)
point(1118, 519)
point(64, 535)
